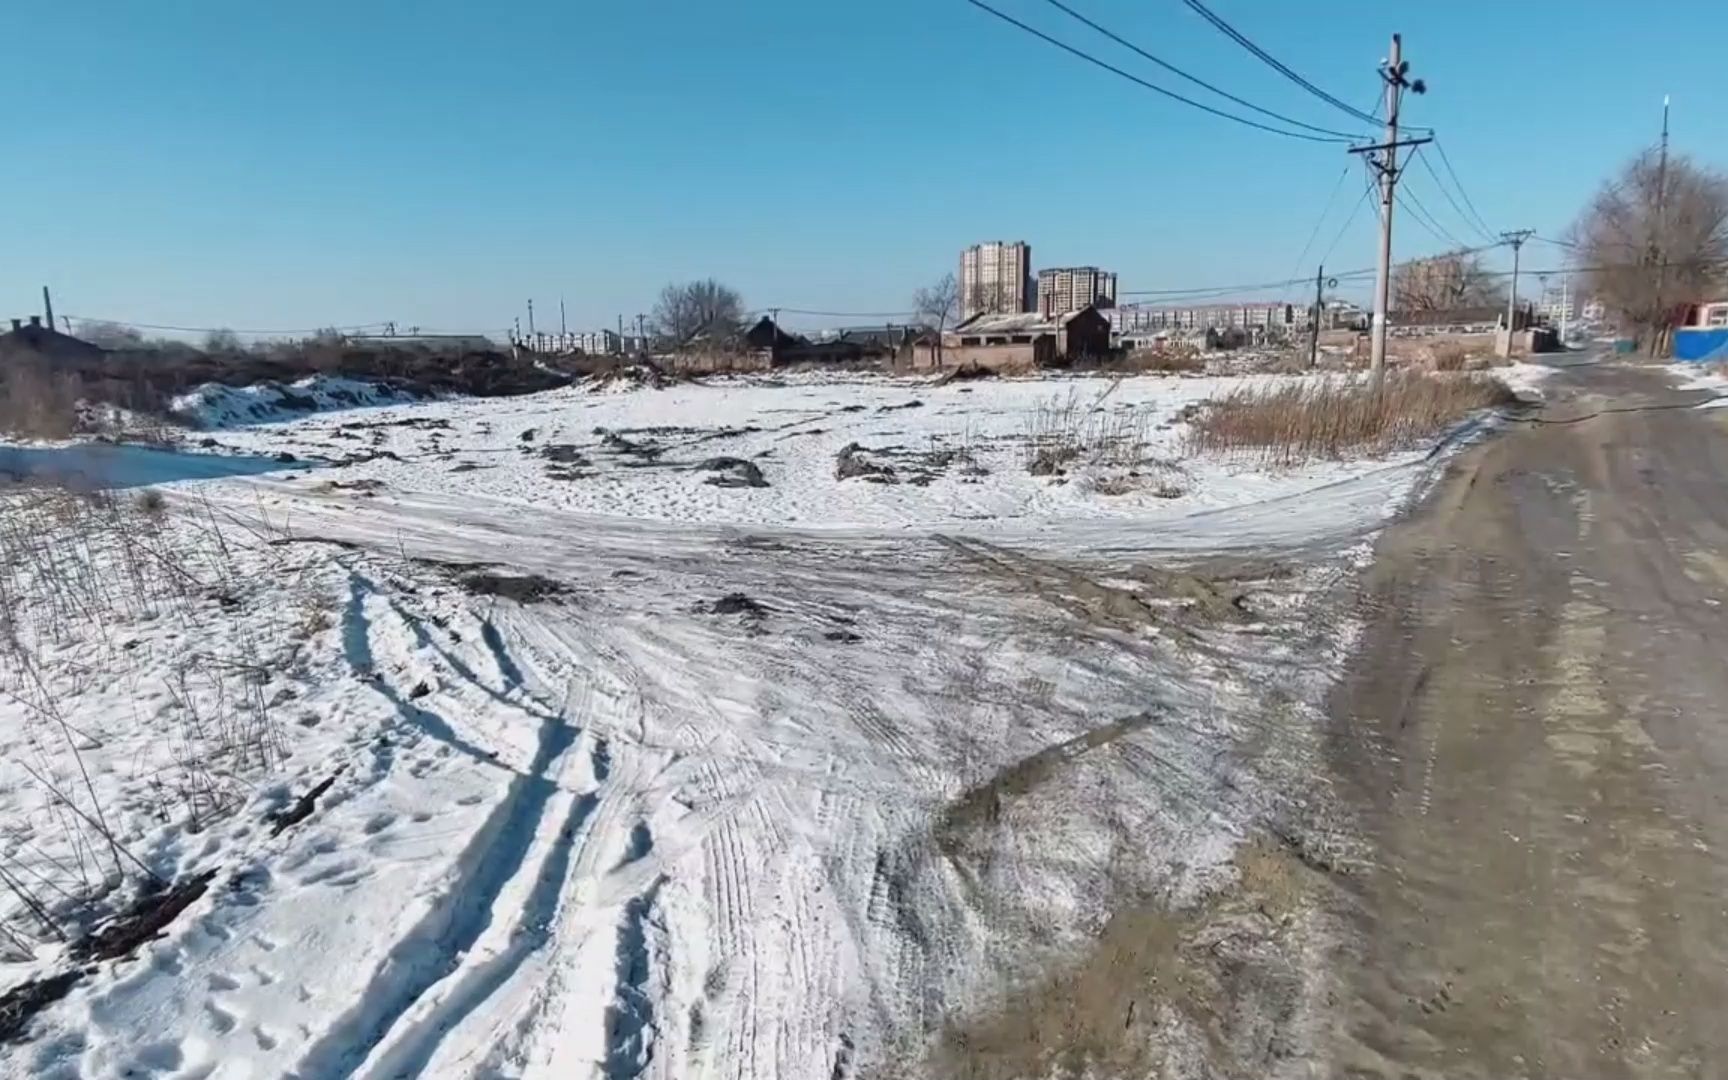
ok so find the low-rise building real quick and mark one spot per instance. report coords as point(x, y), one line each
point(33, 340)
point(1021, 340)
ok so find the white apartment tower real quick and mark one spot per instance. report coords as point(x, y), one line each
point(1071, 288)
point(996, 277)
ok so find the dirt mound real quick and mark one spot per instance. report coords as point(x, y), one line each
point(642, 375)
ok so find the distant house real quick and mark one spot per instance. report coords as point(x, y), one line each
point(766, 336)
point(35, 341)
point(1023, 340)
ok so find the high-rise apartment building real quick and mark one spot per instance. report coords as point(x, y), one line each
point(996, 277)
point(1072, 288)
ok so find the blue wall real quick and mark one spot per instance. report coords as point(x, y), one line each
point(1697, 344)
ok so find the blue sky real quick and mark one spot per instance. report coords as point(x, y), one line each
point(295, 165)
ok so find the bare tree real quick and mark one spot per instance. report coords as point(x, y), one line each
point(110, 335)
point(223, 341)
point(1653, 240)
point(1453, 280)
point(983, 298)
point(694, 309)
point(939, 304)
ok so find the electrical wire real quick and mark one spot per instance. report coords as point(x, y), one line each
point(1367, 190)
point(1462, 191)
point(1154, 87)
point(1466, 218)
point(1314, 234)
point(1237, 36)
point(1195, 79)
point(1425, 218)
point(219, 329)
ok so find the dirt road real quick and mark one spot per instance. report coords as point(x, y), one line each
point(1534, 738)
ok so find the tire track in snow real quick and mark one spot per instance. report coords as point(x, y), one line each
point(435, 946)
point(631, 1029)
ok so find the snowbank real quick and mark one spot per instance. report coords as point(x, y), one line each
point(214, 405)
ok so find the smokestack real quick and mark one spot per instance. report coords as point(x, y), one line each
point(47, 308)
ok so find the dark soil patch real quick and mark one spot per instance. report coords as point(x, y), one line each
point(144, 922)
point(470, 466)
point(851, 464)
point(618, 444)
point(913, 404)
point(280, 820)
point(733, 473)
point(522, 588)
point(736, 604)
point(19, 1004)
point(844, 637)
point(564, 454)
point(528, 436)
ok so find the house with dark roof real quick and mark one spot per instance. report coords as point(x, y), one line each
point(34, 341)
point(1021, 340)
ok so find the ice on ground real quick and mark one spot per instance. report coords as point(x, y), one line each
point(214, 405)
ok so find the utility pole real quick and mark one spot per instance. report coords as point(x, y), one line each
point(562, 328)
point(641, 333)
point(1516, 239)
point(47, 308)
point(1565, 306)
point(1394, 72)
point(1314, 324)
point(530, 318)
point(1661, 238)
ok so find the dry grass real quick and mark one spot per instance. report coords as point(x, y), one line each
point(36, 403)
point(1069, 431)
point(1333, 418)
point(1171, 358)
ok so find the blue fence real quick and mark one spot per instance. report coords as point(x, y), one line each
point(1695, 345)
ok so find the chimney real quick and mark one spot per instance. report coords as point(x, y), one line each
point(36, 320)
point(17, 324)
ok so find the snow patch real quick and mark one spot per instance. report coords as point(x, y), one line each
point(214, 405)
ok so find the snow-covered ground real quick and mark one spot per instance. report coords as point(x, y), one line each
point(631, 774)
point(958, 453)
point(1712, 377)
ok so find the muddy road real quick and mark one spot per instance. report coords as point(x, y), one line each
point(1534, 739)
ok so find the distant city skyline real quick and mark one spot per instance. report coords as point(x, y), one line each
point(438, 170)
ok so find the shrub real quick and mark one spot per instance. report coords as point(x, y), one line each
point(36, 403)
point(1330, 418)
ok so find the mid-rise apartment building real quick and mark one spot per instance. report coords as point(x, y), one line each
point(1073, 288)
point(996, 277)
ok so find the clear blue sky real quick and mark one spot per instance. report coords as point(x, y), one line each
point(294, 165)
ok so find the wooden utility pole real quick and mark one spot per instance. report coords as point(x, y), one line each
point(1516, 239)
point(1656, 343)
point(47, 308)
point(1395, 73)
point(1314, 323)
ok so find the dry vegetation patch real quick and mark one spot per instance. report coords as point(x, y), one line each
point(1334, 418)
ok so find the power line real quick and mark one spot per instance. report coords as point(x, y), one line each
point(1321, 221)
point(1154, 87)
point(215, 329)
point(1476, 222)
point(1195, 79)
point(1462, 191)
point(1235, 35)
point(1425, 218)
point(1367, 190)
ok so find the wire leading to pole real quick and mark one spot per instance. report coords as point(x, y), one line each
point(1195, 79)
point(1154, 87)
point(1241, 39)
